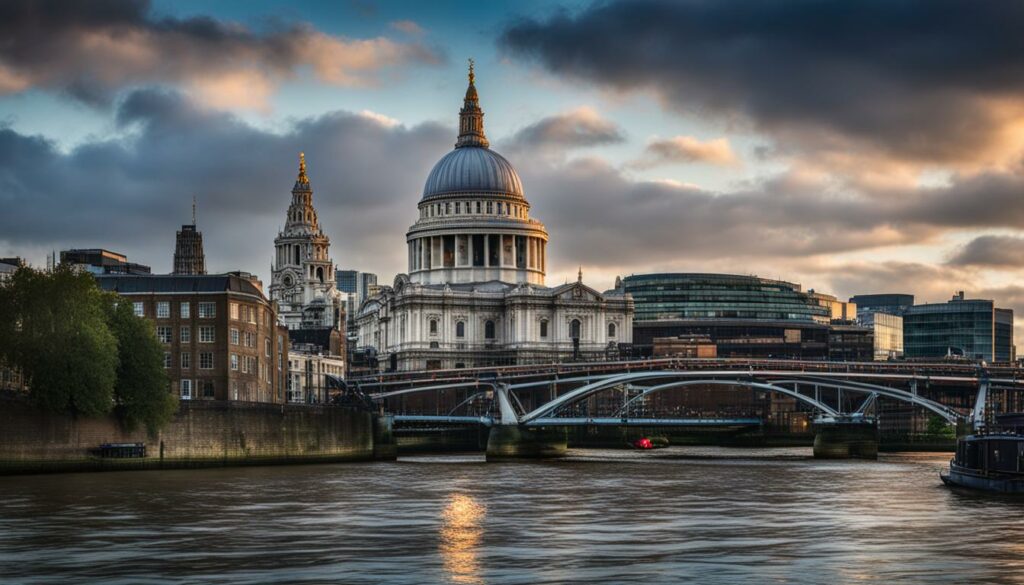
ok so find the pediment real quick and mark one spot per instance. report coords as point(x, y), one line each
point(578, 292)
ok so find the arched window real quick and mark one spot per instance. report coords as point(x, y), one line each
point(297, 260)
point(489, 330)
point(611, 330)
point(544, 328)
point(574, 329)
point(320, 274)
point(460, 329)
point(433, 326)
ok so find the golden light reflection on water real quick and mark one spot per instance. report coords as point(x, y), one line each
point(461, 534)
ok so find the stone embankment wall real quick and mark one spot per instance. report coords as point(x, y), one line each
point(201, 434)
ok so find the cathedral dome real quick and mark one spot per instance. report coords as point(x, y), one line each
point(473, 169)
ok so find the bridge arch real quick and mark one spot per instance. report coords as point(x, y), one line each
point(595, 387)
point(950, 415)
point(746, 383)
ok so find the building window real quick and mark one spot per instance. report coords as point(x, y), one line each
point(139, 309)
point(490, 207)
point(206, 360)
point(249, 339)
point(234, 361)
point(234, 311)
point(186, 360)
point(234, 337)
point(208, 389)
point(433, 326)
point(163, 310)
point(207, 310)
point(458, 207)
point(460, 329)
point(206, 334)
point(167, 360)
point(478, 207)
point(611, 330)
point(574, 329)
point(234, 390)
point(163, 334)
point(489, 330)
point(266, 346)
point(544, 328)
point(186, 389)
point(186, 310)
point(186, 335)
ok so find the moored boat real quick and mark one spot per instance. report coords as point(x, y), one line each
point(992, 462)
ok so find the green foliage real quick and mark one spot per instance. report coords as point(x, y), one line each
point(938, 427)
point(80, 350)
point(58, 335)
point(140, 393)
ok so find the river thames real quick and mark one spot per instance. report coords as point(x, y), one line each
point(757, 516)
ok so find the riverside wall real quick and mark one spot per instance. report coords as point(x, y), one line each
point(202, 434)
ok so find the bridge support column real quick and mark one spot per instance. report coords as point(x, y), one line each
point(385, 446)
point(846, 439)
point(511, 442)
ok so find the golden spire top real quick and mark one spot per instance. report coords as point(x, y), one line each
point(302, 168)
point(471, 117)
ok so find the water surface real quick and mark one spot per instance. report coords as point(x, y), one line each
point(726, 516)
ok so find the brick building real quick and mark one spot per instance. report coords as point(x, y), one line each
point(220, 333)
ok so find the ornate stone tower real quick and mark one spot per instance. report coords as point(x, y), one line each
point(188, 248)
point(302, 271)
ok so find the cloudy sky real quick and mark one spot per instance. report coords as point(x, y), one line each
point(854, 147)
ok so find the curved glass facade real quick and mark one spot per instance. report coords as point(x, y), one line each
point(661, 297)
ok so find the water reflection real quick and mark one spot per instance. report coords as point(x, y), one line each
point(461, 534)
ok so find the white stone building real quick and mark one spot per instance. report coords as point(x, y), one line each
point(302, 272)
point(311, 374)
point(475, 295)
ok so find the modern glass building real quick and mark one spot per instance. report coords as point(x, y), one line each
point(888, 334)
point(973, 328)
point(347, 280)
point(1006, 351)
point(890, 303)
point(745, 316)
point(720, 296)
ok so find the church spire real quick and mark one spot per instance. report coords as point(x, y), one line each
point(471, 117)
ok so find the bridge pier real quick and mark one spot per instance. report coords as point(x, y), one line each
point(511, 442)
point(846, 439)
point(385, 445)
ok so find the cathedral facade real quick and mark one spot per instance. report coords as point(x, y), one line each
point(474, 295)
point(302, 271)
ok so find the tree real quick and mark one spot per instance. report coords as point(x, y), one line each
point(938, 427)
point(140, 393)
point(57, 334)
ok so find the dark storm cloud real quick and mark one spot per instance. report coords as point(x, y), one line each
point(131, 194)
point(991, 251)
point(922, 80)
point(93, 49)
point(578, 128)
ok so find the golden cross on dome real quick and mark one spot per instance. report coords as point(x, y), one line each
point(302, 168)
point(471, 75)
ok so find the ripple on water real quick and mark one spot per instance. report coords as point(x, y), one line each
point(702, 514)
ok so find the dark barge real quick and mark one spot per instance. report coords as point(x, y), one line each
point(991, 461)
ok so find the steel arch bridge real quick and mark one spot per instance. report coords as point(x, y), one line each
point(868, 387)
